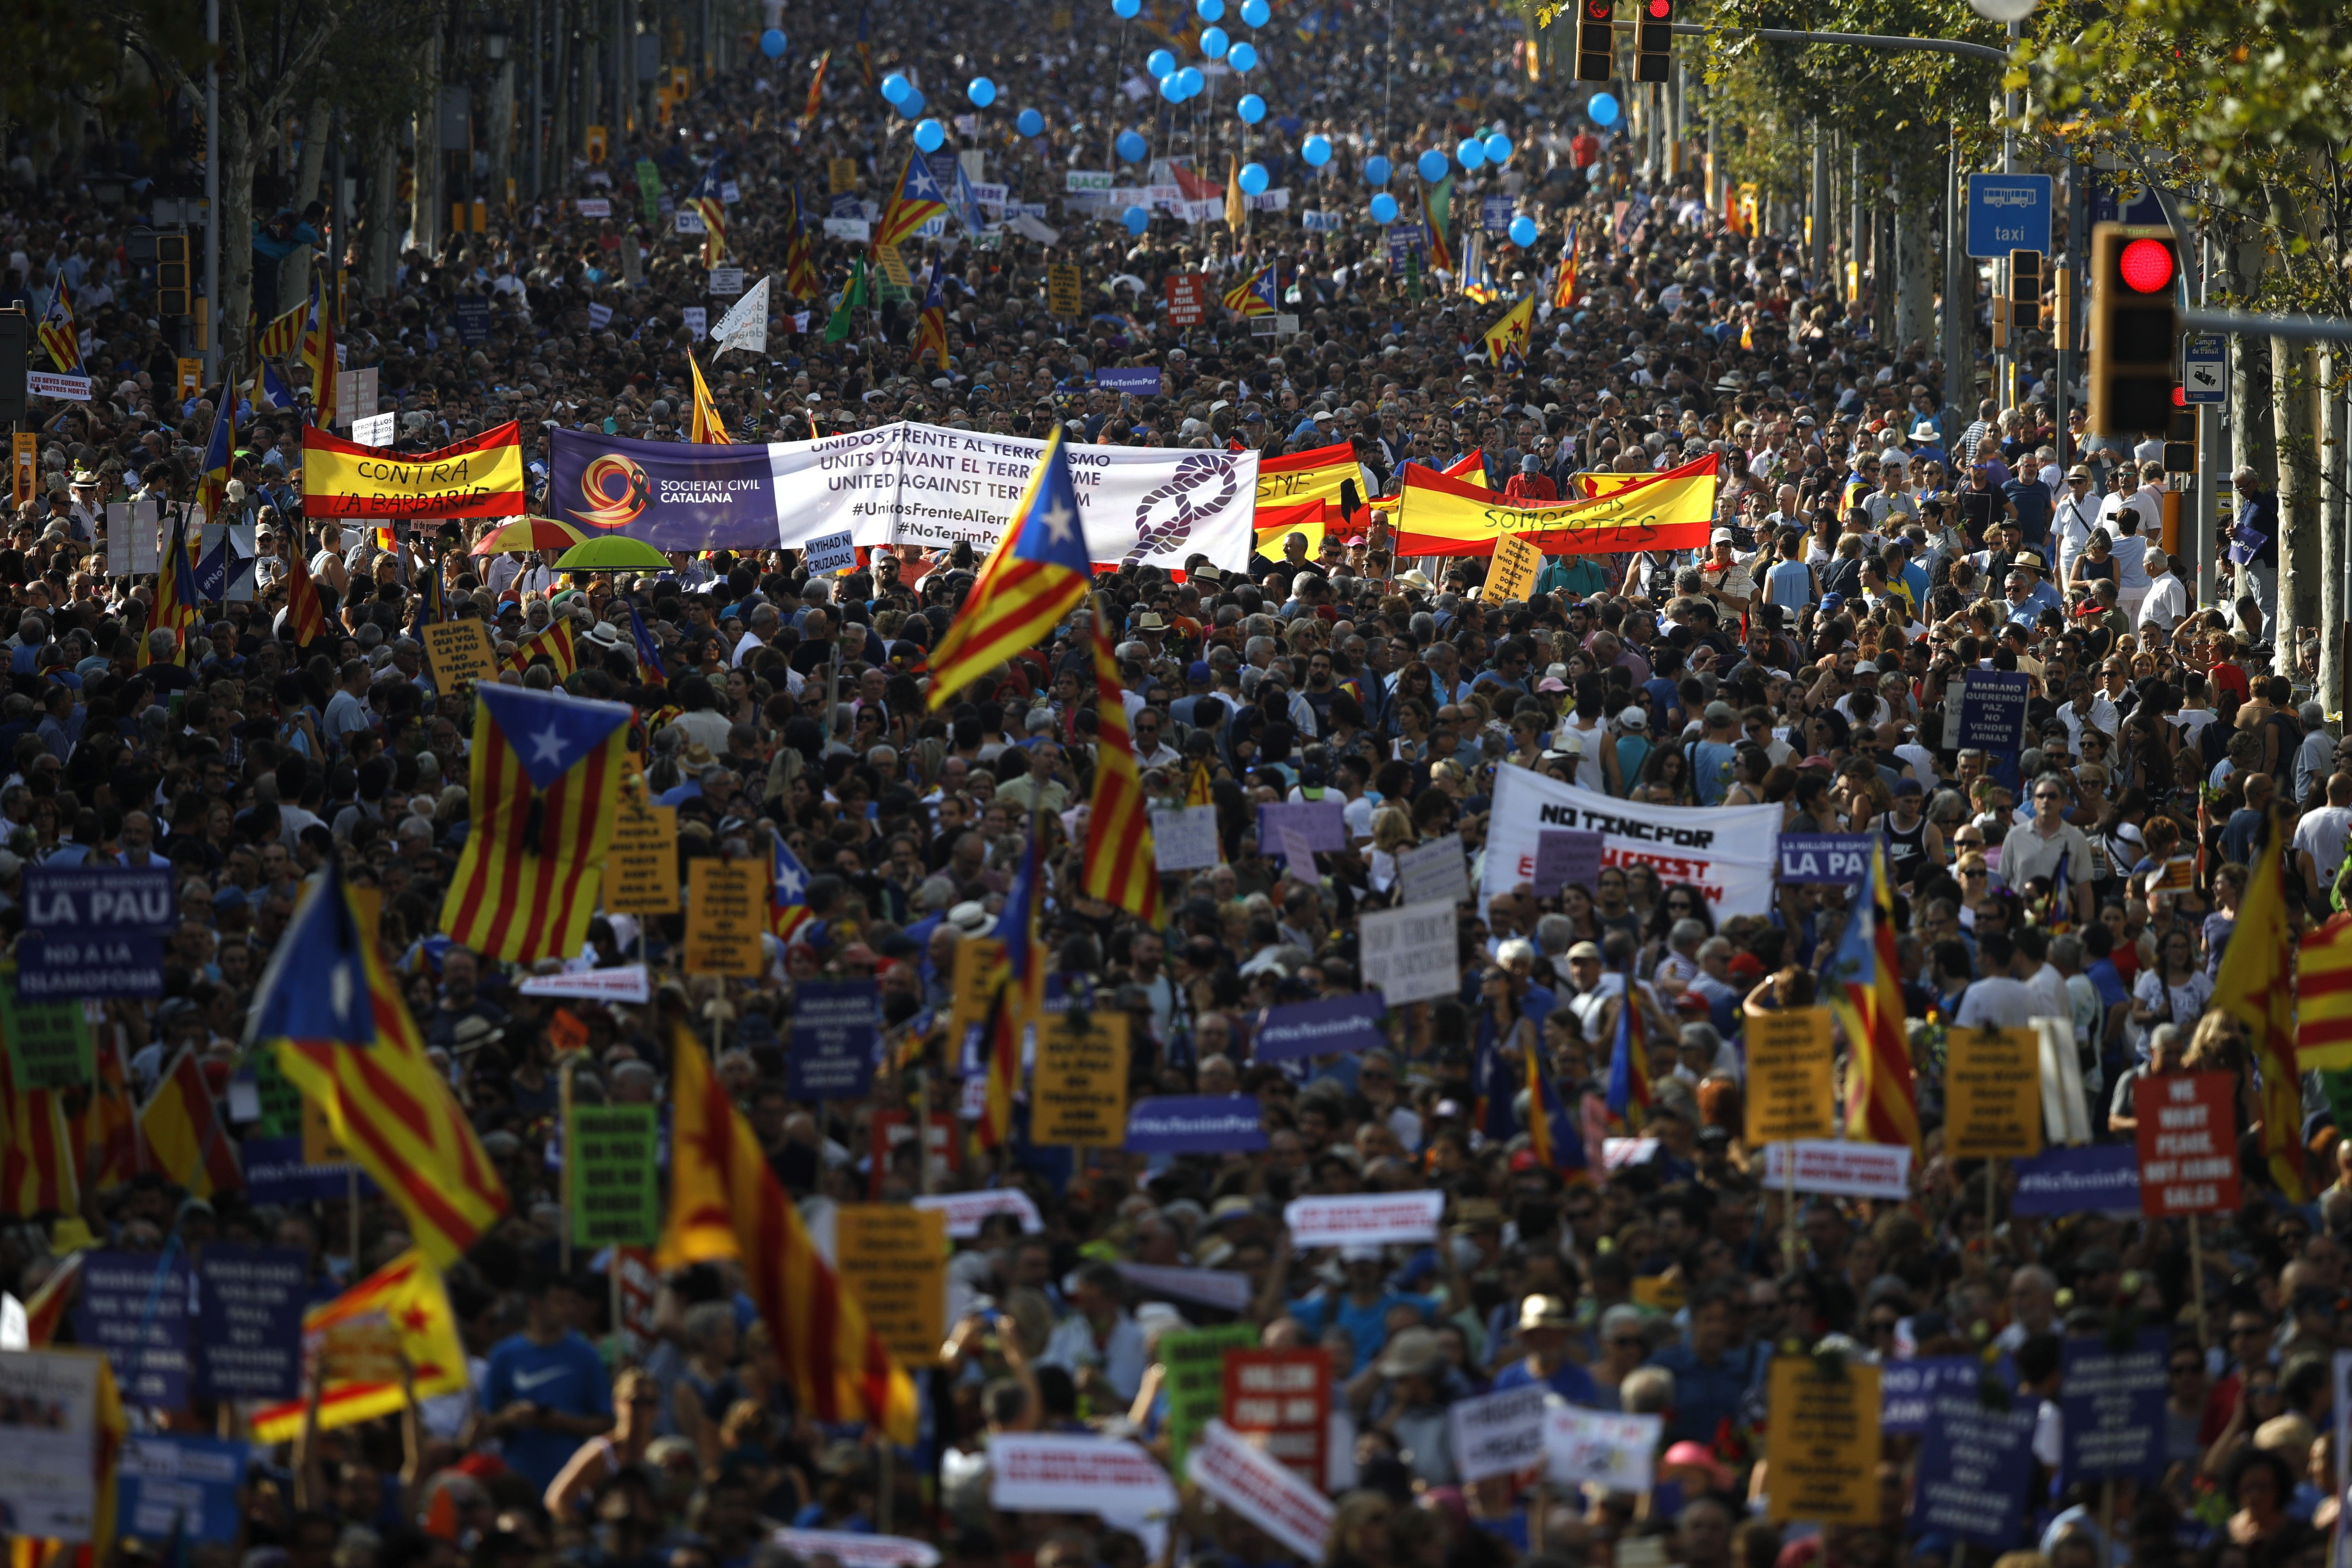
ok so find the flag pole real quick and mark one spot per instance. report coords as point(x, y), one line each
point(563, 1176)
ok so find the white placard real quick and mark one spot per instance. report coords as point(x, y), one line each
point(1844, 1170)
point(596, 207)
point(1263, 1490)
point(1297, 855)
point(1499, 1434)
point(1434, 873)
point(132, 529)
point(1076, 180)
point(49, 383)
point(1729, 853)
point(1618, 1452)
point(686, 220)
point(49, 1464)
point(1410, 954)
point(726, 282)
point(376, 430)
point(729, 192)
point(745, 324)
point(1184, 840)
point(600, 316)
point(356, 396)
point(965, 1211)
point(696, 319)
point(17, 1328)
point(627, 983)
point(856, 228)
point(832, 553)
point(1044, 1472)
point(1367, 1219)
point(1208, 1287)
point(853, 1551)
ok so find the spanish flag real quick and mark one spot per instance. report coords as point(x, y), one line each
point(2255, 985)
point(726, 1203)
point(1326, 474)
point(402, 1311)
point(1120, 867)
point(184, 1132)
point(1038, 573)
point(1674, 511)
point(708, 430)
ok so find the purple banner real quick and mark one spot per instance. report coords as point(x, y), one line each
point(1324, 823)
point(1566, 856)
point(1337, 1023)
point(674, 495)
point(1141, 381)
point(1195, 1124)
point(2095, 1178)
point(1825, 857)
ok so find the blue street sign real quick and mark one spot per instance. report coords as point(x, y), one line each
point(2008, 212)
point(2205, 368)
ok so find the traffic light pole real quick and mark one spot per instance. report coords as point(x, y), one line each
point(2250, 323)
point(1892, 42)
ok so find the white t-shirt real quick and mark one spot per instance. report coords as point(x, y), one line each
point(2323, 833)
point(1998, 1002)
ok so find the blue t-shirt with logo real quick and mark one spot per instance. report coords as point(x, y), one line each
point(566, 1376)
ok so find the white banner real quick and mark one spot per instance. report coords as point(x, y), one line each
point(853, 1551)
point(1499, 1434)
point(1729, 853)
point(49, 1442)
point(1264, 1491)
point(1617, 1452)
point(1363, 1219)
point(1208, 1287)
point(1843, 1169)
point(625, 984)
point(1042, 1472)
point(966, 1210)
point(1412, 954)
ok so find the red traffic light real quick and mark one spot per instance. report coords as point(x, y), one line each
point(1661, 10)
point(1601, 10)
point(2145, 266)
point(2180, 397)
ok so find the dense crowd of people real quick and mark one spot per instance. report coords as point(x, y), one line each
point(1871, 546)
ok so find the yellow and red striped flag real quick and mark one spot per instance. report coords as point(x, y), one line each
point(800, 279)
point(344, 1036)
point(2255, 985)
point(106, 1128)
point(1881, 1106)
point(305, 615)
point(57, 333)
point(556, 641)
point(915, 201)
point(46, 1309)
point(319, 358)
point(726, 1203)
point(186, 1133)
point(2322, 996)
point(708, 430)
point(1038, 573)
point(816, 88)
point(1563, 287)
point(38, 1170)
point(1121, 868)
point(402, 1308)
point(545, 779)
point(282, 339)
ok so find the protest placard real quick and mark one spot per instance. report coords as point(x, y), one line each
point(2188, 1143)
point(1078, 1093)
point(1499, 1434)
point(1323, 823)
point(609, 1153)
point(1216, 1287)
point(1184, 838)
point(1195, 1124)
point(2100, 1178)
point(1826, 858)
point(135, 1307)
point(1790, 1071)
point(1434, 873)
point(1267, 1493)
point(1842, 1169)
point(834, 1029)
point(1565, 858)
point(1511, 575)
point(725, 918)
point(1907, 1387)
point(181, 1486)
point(249, 1321)
point(1975, 1467)
point(1052, 1472)
point(461, 653)
point(1373, 1220)
point(892, 1128)
point(49, 1043)
point(1992, 1083)
point(894, 1260)
point(2111, 1403)
point(1410, 954)
point(1194, 1380)
point(641, 867)
point(967, 1212)
point(1616, 1452)
point(49, 1442)
point(979, 968)
point(1823, 1441)
point(1281, 1400)
point(1332, 1026)
point(852, 1550)
point(622, 983)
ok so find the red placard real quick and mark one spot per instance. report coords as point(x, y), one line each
point(1283, 1399)
point(640, 1288)
point(892, 1128)
point(2188, 1143)
point(1187, 299)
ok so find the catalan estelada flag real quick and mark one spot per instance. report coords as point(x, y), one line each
point(319, 358)
point(1038, 573)
point(282, 339)
point(788, 883)
point(2323, 997)
point(305, 615)
point(545, 777)
point(407, 1296)
point(344, 1038)
point(1258, 294)
point(1629, 1063)
point(220, 450)
point(726, 1203)
point(916, 202)
point(931, 323)
point(800, 260)
point(59, 334)
point(1563, 283)
point(1120, 867)
point(649, 661)
point(1019, 998)
point(1558, 1141)
point(186, 1137)
point(39, 1172)
point(707, 429)
point(176, 594)
point(2255, 985)
point(269, 390)
point(556, 641)
point(1865, 977)
point(705, 200)
point(816, 88)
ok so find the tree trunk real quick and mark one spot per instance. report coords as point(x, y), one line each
point(317, 133)
point(239, 160)
point(557, 162)
point(2253, 436)
point(383, 211)
point(2332, 368)
point(1915, 286)
point(501, 133)
point(2296, 391)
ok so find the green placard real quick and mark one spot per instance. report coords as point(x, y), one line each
point(1195, 1381)
point(281, 1101)
point(614, 1201)
point(48, 1042)
point(649, 188)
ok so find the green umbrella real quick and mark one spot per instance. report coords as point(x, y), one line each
point(613, 552)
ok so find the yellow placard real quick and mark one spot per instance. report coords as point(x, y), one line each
point(894, 266)
point(1064, 297)
point(191, 381)
point(640, 867)
point(725, 918)
point(364, 1350)
point(25, 470)
point(1791, 1070)
point(1992, 1087)
point(894, 1260)
point(1822, 1444)
point(1660, 1293)
point(1512, 574)
point(979, 966)
point(1079, 1093)
point(840, 176)
point(598, 141)
point(461, 651)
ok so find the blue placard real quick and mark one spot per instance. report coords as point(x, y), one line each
point(1905, 1389)
point(135, 1307)
point(1974, 1467)
point(2098, 1178)
point(834, 1026)
point(65, 900)
point(2008, 212)
point(249, 1302)
point(1494, 214)
point(1322, 823)
point(90, 968)
point(275, 1173)
point(2205, 369)
point(1335, 1023)
point(187, 1484)
point(1992, 710)
point(1136, 381)
point(2112, 1402)
point(472, 318)
point(1826, 857)
point(1195, 1124)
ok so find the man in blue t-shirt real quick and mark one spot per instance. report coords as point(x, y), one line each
point(1362, 1307)
point(546, 1391)
point(1545, 1324)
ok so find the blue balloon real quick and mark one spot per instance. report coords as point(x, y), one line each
point(1243, 57)
point(1131, 146)
point(982, 93)
point(912, 106)
point(896, 87)
point(1213, 43)
point(771, 43)
point(1384, 208)
point(1029, 123)
point(1376, 170)
point(1433, 165)
point(1472, 152)
point(1523, 231)
point(1603, 108)
point(929, 134)
point(1316, 150)
point(1252, 108)
point(1159, 63)
point(1194, 82)
point(1498, 148)
point(1172, 87)
point(1256, 12)
point(1136, 219)
point(1210, 10)
point(1127, 10)
point(1252, 178)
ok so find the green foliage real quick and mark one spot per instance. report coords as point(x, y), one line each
point(63, 56)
